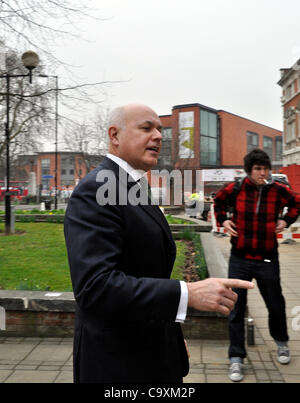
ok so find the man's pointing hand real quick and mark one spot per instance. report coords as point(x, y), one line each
point(215, 294)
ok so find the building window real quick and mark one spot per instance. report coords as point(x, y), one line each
point(209, 150)
point(268, 146)
point(252, 141)
point(166, 133)
point(290, 134)
point(67, 170)
point(45, 166)
point(290, 90)
point(165, 160)
point(278, 148)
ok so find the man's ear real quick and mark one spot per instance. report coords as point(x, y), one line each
point(113, 132)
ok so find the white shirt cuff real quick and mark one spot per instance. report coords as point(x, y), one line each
point(182, 308)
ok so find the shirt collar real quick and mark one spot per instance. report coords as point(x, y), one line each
point(136, 174)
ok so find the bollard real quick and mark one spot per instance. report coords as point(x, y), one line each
point(48, 204)
point(250, 332)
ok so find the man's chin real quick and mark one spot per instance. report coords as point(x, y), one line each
point(150, 164)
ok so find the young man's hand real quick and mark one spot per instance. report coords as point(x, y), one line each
point(280, 226)
point(231, 227)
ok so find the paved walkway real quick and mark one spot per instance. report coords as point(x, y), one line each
point(49, 360)
point(37, 360)
point(262, 356)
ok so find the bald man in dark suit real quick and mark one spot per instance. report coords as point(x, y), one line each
point(121, 255)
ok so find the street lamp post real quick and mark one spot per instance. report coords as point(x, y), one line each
point(30, 61)
point(7, 194)
point(56, 134)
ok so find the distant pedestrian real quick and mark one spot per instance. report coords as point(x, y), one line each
point(256, 204)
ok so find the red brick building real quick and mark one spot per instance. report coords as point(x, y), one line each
point(71, 167)
point(216, 138)
point(207, 138)
point(239, 135)
point(195, 137)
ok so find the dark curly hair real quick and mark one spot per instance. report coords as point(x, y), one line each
point(256, 157)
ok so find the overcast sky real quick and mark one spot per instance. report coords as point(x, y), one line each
point(225, 54)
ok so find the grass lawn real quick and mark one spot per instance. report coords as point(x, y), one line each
point(176, 220)
point(180, 260)
point(37, 259)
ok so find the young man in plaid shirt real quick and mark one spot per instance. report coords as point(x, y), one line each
point(257, 204)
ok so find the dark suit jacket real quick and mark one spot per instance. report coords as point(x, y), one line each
point(121, 258)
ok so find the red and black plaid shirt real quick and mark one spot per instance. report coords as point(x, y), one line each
point(255, 214)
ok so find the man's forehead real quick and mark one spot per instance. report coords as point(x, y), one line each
point(142, 115)
point(256, 166)
point(149, 120)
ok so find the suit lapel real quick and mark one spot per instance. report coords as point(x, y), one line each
point(155, 212)
point(152, 210)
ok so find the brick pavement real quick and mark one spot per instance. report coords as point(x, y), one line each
point(49, 360)
point(262, 356)
point(36, 360)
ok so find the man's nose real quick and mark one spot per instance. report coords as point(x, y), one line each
point(157, 135)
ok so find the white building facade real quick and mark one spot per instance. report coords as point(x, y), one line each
point(290, 99)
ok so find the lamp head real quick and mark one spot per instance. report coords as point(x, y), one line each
point(30, 60)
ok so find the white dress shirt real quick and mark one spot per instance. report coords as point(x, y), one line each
point(136, 175)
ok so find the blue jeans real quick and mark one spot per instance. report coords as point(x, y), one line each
point(267, 275)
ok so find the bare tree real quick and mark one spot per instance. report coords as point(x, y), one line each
point(101, 126)
point(40, 24)
point(33, 114)
point(90, 139)
point(29, 107)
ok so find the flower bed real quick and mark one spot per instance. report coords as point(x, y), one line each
point(36, 212)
